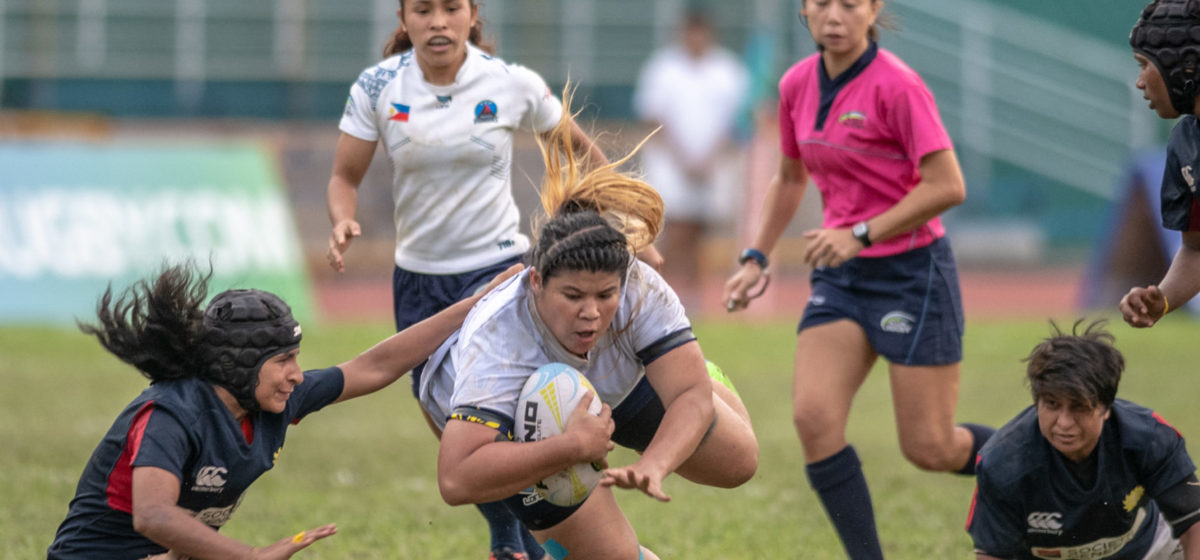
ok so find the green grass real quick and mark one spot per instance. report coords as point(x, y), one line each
point(369, 465)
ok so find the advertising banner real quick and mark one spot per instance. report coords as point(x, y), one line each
point(75, 217)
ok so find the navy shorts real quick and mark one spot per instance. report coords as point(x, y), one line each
point(416, 297)
point(909, 304)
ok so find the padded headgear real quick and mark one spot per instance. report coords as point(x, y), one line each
point(1168, 33)
point(242, 328)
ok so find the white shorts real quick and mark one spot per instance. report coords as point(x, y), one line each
point(708, 201)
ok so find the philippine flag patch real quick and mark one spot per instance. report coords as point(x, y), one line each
point(399, 113)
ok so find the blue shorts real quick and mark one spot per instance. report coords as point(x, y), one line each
point(908, 304)
point(416, 297)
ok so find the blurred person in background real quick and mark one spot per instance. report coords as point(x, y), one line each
point(225, 385)
point(865, 127)
point(694, 90)
point(446, 111)
point(1166, 45)
point(1081, 473)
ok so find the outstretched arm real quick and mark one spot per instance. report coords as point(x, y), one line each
point(1143, 307)
point(681, 380)
point(387, 361)
point(157, 516)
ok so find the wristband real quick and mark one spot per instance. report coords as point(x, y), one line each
point(752, 254)
point(1166, 305)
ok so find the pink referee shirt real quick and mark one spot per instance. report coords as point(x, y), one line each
point(864, 158)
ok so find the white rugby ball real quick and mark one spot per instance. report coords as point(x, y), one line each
point(547, 400)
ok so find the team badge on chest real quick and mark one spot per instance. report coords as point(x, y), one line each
point(853, 119)
point(485, 111)
point(398, 112)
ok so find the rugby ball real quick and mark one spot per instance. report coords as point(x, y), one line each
point(547, 400)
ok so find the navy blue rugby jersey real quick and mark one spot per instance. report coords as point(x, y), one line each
point(1028, 504)
point(1180, 206)
point(183, 427)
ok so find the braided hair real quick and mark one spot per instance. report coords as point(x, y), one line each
point(597, 219)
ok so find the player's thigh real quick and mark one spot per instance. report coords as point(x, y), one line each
point(728, 454)
point(597, 530)
point(832, 361)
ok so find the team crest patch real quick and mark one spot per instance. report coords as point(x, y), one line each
point(853, 119)
point(1133, 497)
point(398, 112)
point(485, 111)
point(897, 322)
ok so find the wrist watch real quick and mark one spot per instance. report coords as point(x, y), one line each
point(862, 232)
point(755, 255)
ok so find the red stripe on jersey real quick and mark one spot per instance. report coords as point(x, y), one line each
point(1194, 215)
point(248, 429)
point(120, 480)
point(971, 512)
point(974, 495)
point(1165, 423)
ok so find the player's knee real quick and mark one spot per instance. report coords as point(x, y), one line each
point(929, 454)
point(813, 421)
point(738, 469)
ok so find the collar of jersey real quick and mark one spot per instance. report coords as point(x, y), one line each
point(831, 86)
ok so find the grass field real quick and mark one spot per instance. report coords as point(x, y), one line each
point(368, 465)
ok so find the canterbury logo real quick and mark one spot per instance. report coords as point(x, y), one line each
point(1042, 522)
point(210, 479)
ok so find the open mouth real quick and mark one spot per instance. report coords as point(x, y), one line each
point(440, 42)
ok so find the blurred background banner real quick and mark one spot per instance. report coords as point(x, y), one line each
point(74, 217)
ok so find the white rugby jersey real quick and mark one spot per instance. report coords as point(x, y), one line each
point(451, 153)
point(503, 341)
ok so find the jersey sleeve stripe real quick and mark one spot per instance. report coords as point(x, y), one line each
point(1162, 421)
point(484, 417)
point(120, 480)
point(660, 347)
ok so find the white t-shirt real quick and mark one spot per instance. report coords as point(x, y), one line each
point(503, 341)
point(696, 100)
point(451, 153)
point(697, 103)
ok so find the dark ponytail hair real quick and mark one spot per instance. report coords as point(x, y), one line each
point(155, 325)
point(399, 42)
